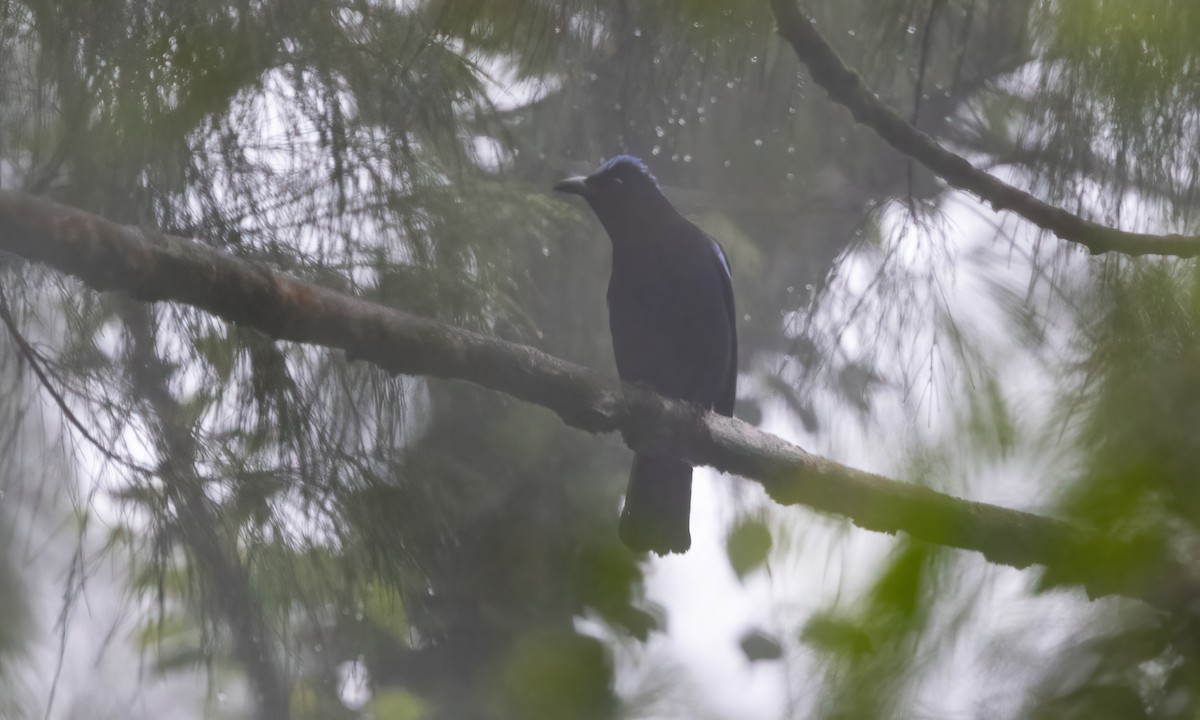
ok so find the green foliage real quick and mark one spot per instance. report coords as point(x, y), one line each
point(1112, 106)
point(606, 578)
point(747, 546)
point(872, 657)
point(555, 674)
point(1143, 386)
point(831, 634)
point(447, 540)
point(397, 705)
point(1136, 65)
point(1135, 414)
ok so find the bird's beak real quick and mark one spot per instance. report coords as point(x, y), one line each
point(574, 185)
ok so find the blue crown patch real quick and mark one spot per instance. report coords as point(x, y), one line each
point(627, 160)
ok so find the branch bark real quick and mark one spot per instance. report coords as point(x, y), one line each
point(151, 266)
point(846, 88)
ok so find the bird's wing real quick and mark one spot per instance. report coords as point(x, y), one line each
point(728, 391)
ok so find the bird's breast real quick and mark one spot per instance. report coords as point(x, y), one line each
point(669, 327)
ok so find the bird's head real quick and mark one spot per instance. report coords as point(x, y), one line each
point(623, 183)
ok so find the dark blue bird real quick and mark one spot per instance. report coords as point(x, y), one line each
point(670, 309)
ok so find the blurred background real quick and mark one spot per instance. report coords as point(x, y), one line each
point(198, 522)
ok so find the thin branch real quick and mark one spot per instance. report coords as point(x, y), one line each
point(919, 86)
point(846, 88)
point(225, 580)
point(151, 266)
point(34, 359)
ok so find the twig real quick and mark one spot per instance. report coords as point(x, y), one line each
point(35, 363)
point(225, 579)
point(846, 87)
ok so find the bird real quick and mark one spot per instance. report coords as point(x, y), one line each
point(673, 323)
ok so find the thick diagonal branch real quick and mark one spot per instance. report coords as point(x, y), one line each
point(155, 267)
point(846, 88)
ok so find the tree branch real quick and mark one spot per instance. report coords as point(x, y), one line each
point(846, 87)
point(224, 580)
point(155, 267)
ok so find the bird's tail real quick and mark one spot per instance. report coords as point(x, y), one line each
point(658, 506)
